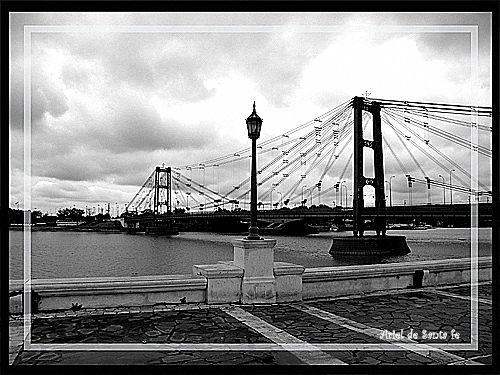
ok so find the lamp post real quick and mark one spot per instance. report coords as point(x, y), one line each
point(254, 124)
point(444, 190)
point(390, 189)
point(281, 199)
point(336, 186)
point(302, 202)
point(343, 183)
point(451, 191)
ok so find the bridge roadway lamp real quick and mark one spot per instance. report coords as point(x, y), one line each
point(254, 124)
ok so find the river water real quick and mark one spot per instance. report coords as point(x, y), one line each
point(93, 254)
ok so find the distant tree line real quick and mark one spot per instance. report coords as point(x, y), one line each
point(37, 217)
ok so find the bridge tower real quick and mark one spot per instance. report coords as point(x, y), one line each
point(358, 244)
point(359, 105)
point(163, 180)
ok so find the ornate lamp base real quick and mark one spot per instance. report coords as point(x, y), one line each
point(253, 234)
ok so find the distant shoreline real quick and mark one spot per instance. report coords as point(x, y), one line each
point(35, 228)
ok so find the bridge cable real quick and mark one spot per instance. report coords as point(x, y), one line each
point(430, 156)
point(443, 156)
point(444, 134)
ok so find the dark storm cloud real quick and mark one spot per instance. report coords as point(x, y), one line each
point(89, 165)
point(145, 62)
point(100, 150)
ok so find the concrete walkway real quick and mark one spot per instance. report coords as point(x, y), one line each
point(362, 329)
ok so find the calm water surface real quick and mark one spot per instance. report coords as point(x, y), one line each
point(80, 254)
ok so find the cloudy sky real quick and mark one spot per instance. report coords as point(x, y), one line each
point(107, 107)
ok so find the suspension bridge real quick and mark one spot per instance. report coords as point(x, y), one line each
point(307, 172)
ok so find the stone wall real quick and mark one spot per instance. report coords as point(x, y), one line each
point(222, 283)
point(336, 281)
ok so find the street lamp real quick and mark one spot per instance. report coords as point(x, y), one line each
point(451, 191)
point(336, 186)
point(390, 189)
point(303, 194)
point(281, 199)
point(444, 190)
point(343, 183)
point(254, 124)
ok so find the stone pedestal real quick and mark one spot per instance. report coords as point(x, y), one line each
point(223, 282)
point(256, 258)
point(288, 278)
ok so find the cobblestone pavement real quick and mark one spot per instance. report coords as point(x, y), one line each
point(363, 329)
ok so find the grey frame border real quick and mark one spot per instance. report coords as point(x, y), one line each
point(30, 29)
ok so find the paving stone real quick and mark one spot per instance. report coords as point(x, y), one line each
point(113, 328)
point(49, 356)
point(223, 357)
point(29, 355)
point(152, 333)
point(178, 337)
point(418, 358)
point(176, 358)
point(86, 331)
point(369, 361)
point(203, 323)
point(198, 362)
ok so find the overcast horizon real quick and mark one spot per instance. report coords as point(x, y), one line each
point(108, 107)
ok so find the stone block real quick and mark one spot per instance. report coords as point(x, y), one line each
point(256, 259)
point(16, 304)
point(223, 282)
point(288, 278)
point(257, 290)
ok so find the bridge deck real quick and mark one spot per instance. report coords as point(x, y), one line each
point(424, 211)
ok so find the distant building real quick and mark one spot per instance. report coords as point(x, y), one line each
point(68, 223)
